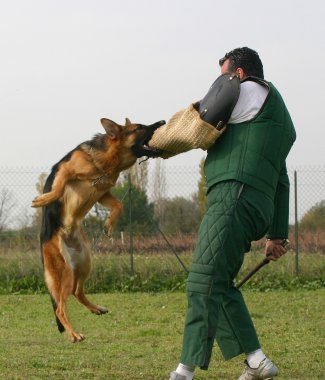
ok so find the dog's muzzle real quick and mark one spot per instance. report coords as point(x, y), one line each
point(141, 148)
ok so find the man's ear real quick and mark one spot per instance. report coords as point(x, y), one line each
point(112, 129)
point(240, 73)
point(127, 121)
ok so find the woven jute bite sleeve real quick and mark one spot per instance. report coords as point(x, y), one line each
point(183, 132)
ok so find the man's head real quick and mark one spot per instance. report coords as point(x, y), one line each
point(243, 62)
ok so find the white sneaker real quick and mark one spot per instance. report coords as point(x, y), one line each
point(176, 376)
point(265, 371)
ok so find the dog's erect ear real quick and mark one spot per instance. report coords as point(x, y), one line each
point(112, 129)
point(127, 121)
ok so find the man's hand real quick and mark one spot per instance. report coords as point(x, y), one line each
point(276, 248)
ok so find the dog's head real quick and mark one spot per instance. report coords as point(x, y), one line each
point(135, 136)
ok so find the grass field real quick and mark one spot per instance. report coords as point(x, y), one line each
point(141, 337)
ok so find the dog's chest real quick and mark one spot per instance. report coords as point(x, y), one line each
point(80, 196)
point(104, 182)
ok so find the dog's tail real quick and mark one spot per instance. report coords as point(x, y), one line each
point(51, 223)
point(58, 322)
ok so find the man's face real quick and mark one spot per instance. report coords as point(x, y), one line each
point(225, 69)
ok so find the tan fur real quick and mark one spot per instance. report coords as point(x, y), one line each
point(81, 181)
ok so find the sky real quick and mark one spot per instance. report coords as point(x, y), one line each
point(67, 63)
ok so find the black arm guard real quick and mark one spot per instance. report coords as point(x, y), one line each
point(217, 105)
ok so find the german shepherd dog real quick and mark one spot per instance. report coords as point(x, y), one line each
point(79, 180)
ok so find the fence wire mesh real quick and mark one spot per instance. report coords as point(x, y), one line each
point(161, 226)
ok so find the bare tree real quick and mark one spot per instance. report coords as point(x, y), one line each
point(41, 182)
point(159, 186)
point(39, 188)
point(6, 205)
point(139, 174)
point(202, 188)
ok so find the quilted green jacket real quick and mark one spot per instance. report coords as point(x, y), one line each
point(254, 153)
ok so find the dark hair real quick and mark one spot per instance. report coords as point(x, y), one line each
point(245, 58)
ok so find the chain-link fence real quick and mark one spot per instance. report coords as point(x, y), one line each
point(162, 212)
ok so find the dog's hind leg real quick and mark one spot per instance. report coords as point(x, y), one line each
point(59, 279)
point(61, 311)
point(116, 208)
point(79, 293)
point(81, 272)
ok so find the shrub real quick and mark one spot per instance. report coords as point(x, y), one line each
point(23, 273)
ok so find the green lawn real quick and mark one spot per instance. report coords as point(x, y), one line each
point(141, 337)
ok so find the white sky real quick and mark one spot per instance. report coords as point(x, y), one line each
point(67, 63)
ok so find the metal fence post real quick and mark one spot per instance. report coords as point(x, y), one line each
point(130, 225)
point(296, 223)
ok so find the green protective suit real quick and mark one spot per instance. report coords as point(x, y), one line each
point(248, 197)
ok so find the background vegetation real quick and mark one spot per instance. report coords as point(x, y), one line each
point(22, 273)
point(151, 232)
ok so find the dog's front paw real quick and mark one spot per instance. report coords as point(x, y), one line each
point(36, 202)
point(46, 198)
point(108, 231)
point(41, 200)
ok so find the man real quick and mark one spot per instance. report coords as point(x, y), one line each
point(248, 198)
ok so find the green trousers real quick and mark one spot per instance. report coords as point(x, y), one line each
point(237, 214)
